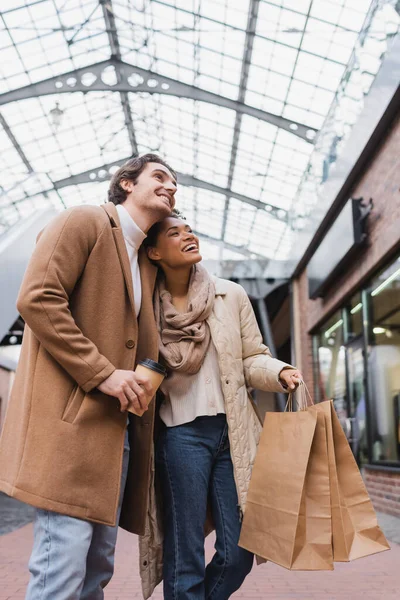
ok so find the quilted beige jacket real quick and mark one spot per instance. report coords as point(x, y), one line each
point(244, 361)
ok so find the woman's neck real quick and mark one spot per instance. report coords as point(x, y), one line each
point(177, 283)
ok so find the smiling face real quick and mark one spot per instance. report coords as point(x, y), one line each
point(175, 245)
point(153, 192)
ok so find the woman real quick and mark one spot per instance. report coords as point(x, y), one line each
point(212, 347)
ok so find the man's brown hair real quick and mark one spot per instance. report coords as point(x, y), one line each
point(131, 171)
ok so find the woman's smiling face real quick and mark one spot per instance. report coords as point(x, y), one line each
point(176, 245)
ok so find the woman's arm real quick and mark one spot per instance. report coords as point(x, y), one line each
point(261, 370)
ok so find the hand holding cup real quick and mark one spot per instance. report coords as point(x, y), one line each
point(153, 373)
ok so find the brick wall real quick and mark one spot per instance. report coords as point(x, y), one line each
point(304, 342)
point(384, 490)
point(381, 182)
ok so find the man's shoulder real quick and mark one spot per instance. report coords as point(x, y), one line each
point(93, 212)
point(85, 216)
point(86, 220)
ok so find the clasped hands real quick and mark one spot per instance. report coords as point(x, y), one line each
point(130, 388)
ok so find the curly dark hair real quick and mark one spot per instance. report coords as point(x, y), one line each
point(131, 171)
point(152, 235)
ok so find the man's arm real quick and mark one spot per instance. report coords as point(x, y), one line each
point(57, 263)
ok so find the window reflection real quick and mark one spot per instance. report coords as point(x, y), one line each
point(355, 316)
point(332, 366)
point(357, 423)
point(384, 364)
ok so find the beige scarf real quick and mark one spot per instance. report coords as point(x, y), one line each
point(184, 337)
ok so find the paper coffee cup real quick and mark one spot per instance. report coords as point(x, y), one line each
point(155, 373)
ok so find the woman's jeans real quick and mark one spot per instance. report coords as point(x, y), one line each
point(72, 559)
point(194, 466)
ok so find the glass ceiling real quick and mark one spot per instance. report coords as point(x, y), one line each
point(309, 61)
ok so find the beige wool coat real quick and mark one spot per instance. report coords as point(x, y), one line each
point(244, 362)
point(62, 442)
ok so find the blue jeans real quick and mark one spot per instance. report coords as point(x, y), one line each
point(72, 559)
point(194, 466)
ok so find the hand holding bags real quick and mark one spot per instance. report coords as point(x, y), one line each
point(307, 504)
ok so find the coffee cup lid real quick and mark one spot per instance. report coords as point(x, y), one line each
point(154, 366)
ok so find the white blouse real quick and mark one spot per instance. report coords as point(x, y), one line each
point(191, 396)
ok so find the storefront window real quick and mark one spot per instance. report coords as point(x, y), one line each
point(359, 368)
point(356, 425)
point(355, 316)
point(384, 364)
point(332, 367)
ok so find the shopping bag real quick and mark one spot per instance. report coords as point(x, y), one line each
point(287, 518)
point(291, 529)
point(355, 528)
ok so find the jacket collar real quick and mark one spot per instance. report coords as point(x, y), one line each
point(121, 249)
point(112, 212)
point(221, 286)
point(133, 235)
point(148, 271)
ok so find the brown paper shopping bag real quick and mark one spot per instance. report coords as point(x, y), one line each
point(287, 518)
point(355, 528)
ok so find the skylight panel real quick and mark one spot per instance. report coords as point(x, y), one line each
point(299, 57)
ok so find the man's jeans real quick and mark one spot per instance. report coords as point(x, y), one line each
point(72, 559)
point(194, 464)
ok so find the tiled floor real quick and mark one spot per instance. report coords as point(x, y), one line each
point(372, 578)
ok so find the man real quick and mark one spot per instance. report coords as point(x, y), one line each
point(66, 449)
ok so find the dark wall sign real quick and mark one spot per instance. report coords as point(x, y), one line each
point(346, 235)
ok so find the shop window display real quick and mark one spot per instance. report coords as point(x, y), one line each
point(355, 324)
point(384, 364)
point(332, 367)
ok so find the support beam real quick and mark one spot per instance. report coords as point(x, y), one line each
point(239, 249)
point(265, 326)
point(21, 154)
point(15, 143)
point(274, 211)
point(122, 77)
point(248, 51)
point(104, 173)
point(111, 28)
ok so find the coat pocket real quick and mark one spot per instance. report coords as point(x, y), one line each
point(73, 405)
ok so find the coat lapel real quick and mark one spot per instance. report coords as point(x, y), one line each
point(121, 249)
point(221, 288)
point(148, 336)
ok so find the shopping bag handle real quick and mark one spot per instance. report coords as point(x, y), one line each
point(303, 398)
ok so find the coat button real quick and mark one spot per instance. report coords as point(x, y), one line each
point(130, 344)
point(227, 381)
point(145, 563)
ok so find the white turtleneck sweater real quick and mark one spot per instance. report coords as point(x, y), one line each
point(133, 237)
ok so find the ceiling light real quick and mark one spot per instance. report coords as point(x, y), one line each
point(356, 309)
point(378, 330)
point(333, 328)
point(56, 114)
point(382, 286)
